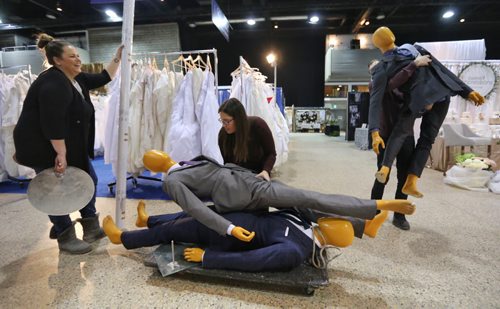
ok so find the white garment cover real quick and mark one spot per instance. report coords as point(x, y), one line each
point(183, 141)
point(209, 126)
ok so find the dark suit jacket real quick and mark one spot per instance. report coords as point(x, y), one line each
point(427, 86)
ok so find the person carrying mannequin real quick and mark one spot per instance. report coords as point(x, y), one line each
point(282, 241)
point(246, 140)
point(56, 128)
point(231, 188)
point(391, 106)
point(427, 95)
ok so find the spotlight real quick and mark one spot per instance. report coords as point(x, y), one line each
point(58, 7)
point(50, 16)
point(313, 19)
point(462, 20)
point(380, 16)
point(448, 14)
point(271, 58)
point(251, 22)
point(367, 23)
point(112, 15)
point(276, 26)
point(192, 25)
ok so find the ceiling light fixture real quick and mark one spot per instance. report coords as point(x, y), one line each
point(462, 20)
point(275, 26)
point(251, 22)
point(50, 15)
point(292, 17)
point(448, 14)
point(380, 16)
point(58, 7)
point(313, 19)
point(112, 15)
point(367, 23)
point(192, 25)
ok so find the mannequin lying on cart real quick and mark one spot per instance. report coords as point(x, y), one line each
point(233, 188)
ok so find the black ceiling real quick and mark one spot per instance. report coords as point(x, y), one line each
point(336, 16)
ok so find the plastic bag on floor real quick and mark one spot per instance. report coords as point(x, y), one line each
point(494, 183)
point(468, 178)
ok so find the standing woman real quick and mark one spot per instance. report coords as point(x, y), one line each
point(246, 140)
point(57, 128)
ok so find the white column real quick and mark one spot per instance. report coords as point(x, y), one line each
point(123, 137)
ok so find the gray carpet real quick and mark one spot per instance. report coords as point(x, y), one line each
point(449, 258)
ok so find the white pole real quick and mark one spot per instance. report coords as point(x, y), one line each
point(121, 169)
point(275, 82)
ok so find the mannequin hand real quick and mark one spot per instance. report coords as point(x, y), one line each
point(422, 61)
point(376, 141)
point(242, 234)
point(193, 254)
point(475, 97)
point(264, 175)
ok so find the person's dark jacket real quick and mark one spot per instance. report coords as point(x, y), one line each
point(54, 109)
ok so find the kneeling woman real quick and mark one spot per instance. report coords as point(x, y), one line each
point(246, 140)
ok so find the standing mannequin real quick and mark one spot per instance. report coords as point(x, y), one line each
point(392, 104)
point(427, 95)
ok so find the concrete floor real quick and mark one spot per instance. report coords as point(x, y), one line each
point(449, 258)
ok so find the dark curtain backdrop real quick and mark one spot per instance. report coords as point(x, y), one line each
point(301, 58)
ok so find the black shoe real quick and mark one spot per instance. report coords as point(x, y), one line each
point(401, 223)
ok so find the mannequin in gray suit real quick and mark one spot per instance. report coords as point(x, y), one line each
point(232, 188)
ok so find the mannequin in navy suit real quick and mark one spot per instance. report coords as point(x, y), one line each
point(427, 95)
point(281, 241)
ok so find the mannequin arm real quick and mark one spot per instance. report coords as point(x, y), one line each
point(376, 141)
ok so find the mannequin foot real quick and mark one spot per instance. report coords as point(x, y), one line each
point(410, 186)
point(402, 206)
point(372, 226)
point(382, 174)
point(111, 230)
point(142, 216)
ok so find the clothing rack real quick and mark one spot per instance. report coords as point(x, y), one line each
point(28, 66)
point(20, 181)
point(157, 54)
point(188, 52)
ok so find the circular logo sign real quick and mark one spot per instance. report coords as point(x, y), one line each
point(479, 77)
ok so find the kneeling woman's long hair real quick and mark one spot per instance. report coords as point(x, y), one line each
point(235, 145)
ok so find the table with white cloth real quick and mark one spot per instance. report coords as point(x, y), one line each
point(438, 161)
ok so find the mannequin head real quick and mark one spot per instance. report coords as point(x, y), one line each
point(157, 161)
point(384, 39)
point(336, 232)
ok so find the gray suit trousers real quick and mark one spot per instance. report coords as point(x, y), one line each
point(232, 188)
